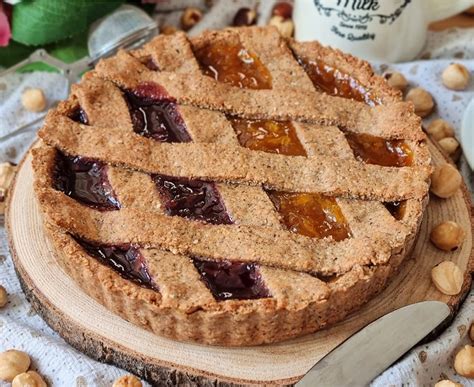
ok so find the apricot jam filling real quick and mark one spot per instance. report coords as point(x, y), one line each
point(232, 63)
point(371, 149)
point(309, 214)
point(336, 83)
point(268, 135)
point(376, 150)
point(397, 209)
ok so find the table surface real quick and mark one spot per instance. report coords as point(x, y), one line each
point(463, 20)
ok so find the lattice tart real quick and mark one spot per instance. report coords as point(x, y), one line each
point(235, 188)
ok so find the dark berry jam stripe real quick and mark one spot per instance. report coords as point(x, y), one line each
point(79, 115)
point(192, 199)
point(124, 259)
point(84, 180)
point(155, 115)
point(232, 280)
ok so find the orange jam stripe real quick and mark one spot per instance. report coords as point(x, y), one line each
point(233, 64)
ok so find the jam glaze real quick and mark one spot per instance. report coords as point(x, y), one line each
point(334, 82)
point(232, 63)
point(124, 259)
point(232, 280)
point(397, 209)
point(376, 150)
point(309, 214)
point(366, 148)
point(79, 115)
point(193, 199)
point(155, 114)
point(85, 180)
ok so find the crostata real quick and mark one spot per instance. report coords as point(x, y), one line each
point(236, 188)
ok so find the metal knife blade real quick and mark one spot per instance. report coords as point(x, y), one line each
point(358, 360)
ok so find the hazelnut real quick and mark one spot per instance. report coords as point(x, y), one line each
point(397, 81)
point(422, 100)
point(12, 363)
point(7, 173)
point(3, 296)
point(447, 236)
point(451, 146)
point(445, 181)
point(283, 9)
point(285, 27)
point(456, 77)
point(245, 17)
point(447, 383)
point(167, 29)
point(33, 100)
point(127, 381)
point(448, 278)
point(439, 129)
point(190, 17)
point(464, 362)
point(28, 379)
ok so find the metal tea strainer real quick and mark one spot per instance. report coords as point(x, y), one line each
point(128, 27)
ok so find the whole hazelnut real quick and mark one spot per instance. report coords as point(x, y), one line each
point(451, 146)
point(445, 181)
point(166, 29)
point(283, 9)
point(28, 379)
point(127, 381)
point(422, 100)
point(456, 77)
point(439, 129)
point(12, 363)
point(464, 362)
point(285, 26)
point(245, 17)
point(190, 17)
point(397, 81)
point(3, 297)
point(448, 278)
point(447, 383)
point(447, 236)
point(33, 100)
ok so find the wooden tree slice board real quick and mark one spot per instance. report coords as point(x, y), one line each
point(92, 329)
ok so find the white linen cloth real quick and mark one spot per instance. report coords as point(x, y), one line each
point(62, 365)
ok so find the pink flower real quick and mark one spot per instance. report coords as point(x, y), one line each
point(5, 32)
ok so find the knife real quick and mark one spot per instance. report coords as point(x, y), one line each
point(358, 360)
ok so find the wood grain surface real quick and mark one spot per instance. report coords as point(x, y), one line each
point(94, 330)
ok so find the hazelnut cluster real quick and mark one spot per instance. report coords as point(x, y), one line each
point(442, 132)
point(14, 366)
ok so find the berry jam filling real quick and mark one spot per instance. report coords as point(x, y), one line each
point(124, 259)
point(397, 209)
point(85, 180)
point(334, 82)
point(192, 199)
point(232, 63)
point(268, 135)
point(80, 116)
point(232, 280)
point(376, 150)
point(311, 214)
point(156, 115)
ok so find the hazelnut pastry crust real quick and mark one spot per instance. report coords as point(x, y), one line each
point(233, 189)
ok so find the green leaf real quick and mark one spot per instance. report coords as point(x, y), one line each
point(41, 22)
point(14, 53)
